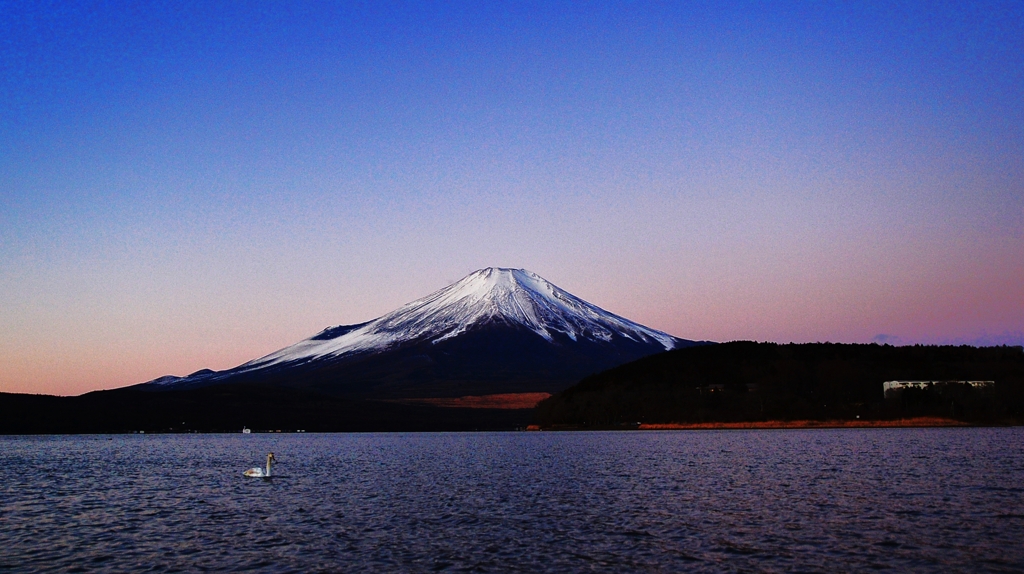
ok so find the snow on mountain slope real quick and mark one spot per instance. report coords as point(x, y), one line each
point(475, 305)
point(513, 296)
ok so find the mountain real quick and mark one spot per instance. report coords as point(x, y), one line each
point(495, 331)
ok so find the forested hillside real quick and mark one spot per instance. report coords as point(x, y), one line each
point(748, 381)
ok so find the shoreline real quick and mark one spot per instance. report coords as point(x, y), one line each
point(915, 422)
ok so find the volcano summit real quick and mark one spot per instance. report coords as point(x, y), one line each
point(494, 331)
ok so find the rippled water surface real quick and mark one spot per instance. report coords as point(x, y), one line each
point(806, 500)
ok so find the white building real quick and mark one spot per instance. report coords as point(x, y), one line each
point(894, 388)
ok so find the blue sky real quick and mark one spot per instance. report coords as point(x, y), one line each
point(192, 185)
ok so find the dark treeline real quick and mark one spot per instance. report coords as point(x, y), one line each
point(230, 407)
point(750, 382)
point(729, 382)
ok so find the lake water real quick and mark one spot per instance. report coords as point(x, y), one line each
point(784, 500)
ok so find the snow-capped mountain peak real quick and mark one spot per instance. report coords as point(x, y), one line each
point(515, 297)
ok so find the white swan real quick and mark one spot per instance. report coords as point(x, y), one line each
point(258, 472)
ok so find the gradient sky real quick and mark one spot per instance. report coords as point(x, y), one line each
point(186, 186)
